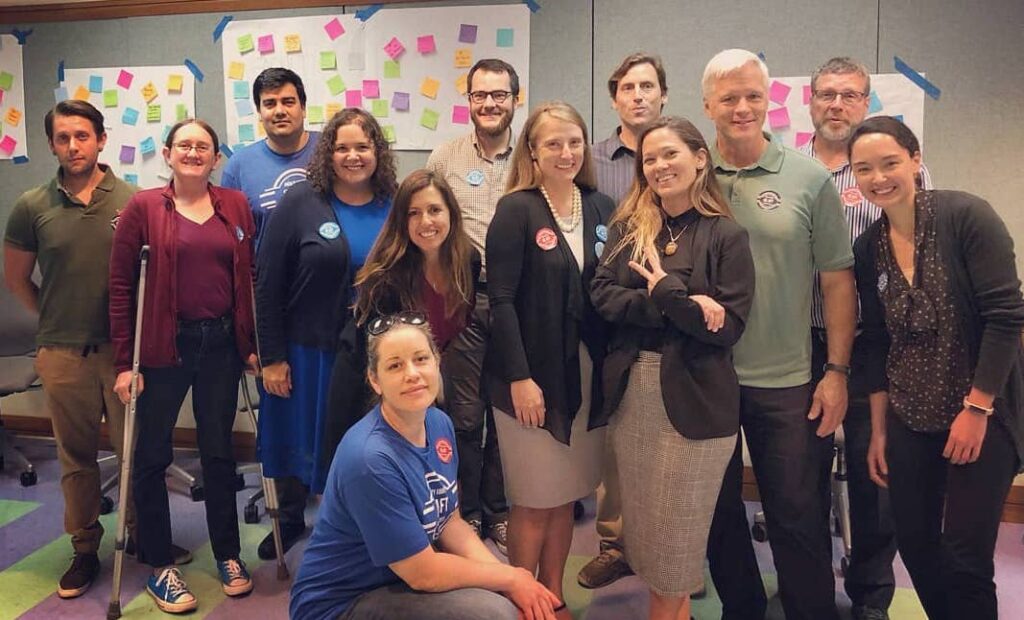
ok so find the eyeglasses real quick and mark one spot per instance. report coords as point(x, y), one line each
point(480, 96)
point(185, 147)
point(848, 96)
point(382, 324)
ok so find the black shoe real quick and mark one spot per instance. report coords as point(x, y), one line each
point(290, 534)
point(179, 555)
point(78, 578)
point(498, 533)
point(862, 612)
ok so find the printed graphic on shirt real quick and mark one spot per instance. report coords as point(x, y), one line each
point(769, 200)
point(272, 195)
point(440, 506)
point(444, 450)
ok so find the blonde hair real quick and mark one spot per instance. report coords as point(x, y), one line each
point(727, 61)
point(524, 174)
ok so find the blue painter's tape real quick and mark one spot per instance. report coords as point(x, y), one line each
point(194, 69)
point(60, 72)
point(221, 25)
point(365, 14)
point(534, 7)
point(762, 56)
point(226, 150)
point(21, 159)
point(930, 89)
point(21, 35)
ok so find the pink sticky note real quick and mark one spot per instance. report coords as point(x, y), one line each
point(2, 97)
point(778, 118)
point(7, 145)
point(394, 48)
point(353, 99)
point(334, 29)
point(371, 89)
point(266, 44)
point(802, 138)
point(124, 79)
point(778, 92)
point(460, 114)
point(807, 94)
point(425, 44)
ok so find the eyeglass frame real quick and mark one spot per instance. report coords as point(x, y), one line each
point(843, 95)
point(493, 94)
point(186, 147)
point(382, 324)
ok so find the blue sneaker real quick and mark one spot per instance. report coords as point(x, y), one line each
point(234, 578)
point(170, 592)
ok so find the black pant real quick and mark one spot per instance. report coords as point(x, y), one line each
point(210, 365)
point(947, 517)
point(792, 467)
point(291, 501)
point(869, 578)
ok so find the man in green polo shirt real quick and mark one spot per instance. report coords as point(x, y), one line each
point(792, 212)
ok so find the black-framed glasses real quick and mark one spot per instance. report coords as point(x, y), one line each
point(480, 96)
point(848, 96)
point(381, 324)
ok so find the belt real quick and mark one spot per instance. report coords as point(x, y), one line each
point(222, 321)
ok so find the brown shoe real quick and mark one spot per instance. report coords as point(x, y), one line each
point(81, 574)
point(607, 568)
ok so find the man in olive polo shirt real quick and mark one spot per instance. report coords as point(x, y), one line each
point(789, 206)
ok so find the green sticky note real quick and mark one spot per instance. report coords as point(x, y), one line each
point(110, 98)
point(392, 69)
point(181, 112)
point(6, 80)
point(506, 37)
point(245, 44)
point(246, 133)
point(328, 61)
point(336, 85)
point(379, 108)
point(429, 119)
point(153, 114)
point(315, 114)
point(389, 133)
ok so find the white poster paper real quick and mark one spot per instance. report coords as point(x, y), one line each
point(13, 141)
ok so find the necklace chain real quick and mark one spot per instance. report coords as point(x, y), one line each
point(577, 210)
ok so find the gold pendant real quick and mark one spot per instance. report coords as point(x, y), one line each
point(670, 248)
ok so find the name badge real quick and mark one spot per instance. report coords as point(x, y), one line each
point(546, 239)
point(330, 230)
point(475, 178)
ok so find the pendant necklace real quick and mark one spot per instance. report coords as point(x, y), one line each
point(671, 247)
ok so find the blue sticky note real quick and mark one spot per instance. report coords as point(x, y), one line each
point(95, 83)
point(246, 133)
point(166, 132)
point(506, 37)
point(244, 107)
point(899, 117)
point(237, 147)
point(130, 116)
point(131, 179)
point(147, 146)
point(875, 104)
point(226, 150)
point(241, 89)
point(60, 94)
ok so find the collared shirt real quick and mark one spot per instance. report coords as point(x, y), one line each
point(478, 182)
point(793, 214)
point(615, 165)
point(859, 211)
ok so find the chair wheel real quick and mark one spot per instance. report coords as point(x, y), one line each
point(759, 531)
point(106, 505)
point(196, 493)
point(239, 482)
point(251, 514)
point(577, 510)
point(29, 478)
point(844, 566)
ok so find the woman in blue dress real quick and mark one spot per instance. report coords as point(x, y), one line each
point(317, 237)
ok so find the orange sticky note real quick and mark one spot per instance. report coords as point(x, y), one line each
point(13, 117)
point(175, 83)
point(236, 71)
point(81, 93)
point(521, 99)
point(331, 109)
point(292, 43)
point(463, 58)
point(149, 92)
point(429, 87)
point(462, 84)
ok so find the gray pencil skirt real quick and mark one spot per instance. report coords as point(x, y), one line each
point(669, 485)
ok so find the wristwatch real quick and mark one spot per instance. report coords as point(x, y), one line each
point(845, 370)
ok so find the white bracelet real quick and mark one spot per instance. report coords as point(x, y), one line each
point(987, 411)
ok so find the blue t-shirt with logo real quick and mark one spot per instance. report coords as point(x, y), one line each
point(263, 176)
point(385, 501)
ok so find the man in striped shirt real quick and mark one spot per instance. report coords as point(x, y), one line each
point(840, 93)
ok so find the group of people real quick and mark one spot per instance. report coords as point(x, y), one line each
point(612, 317)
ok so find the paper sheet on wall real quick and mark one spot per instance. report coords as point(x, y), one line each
point(344, 61)
point(139, 106)
point(892, 94)
point(13, 140)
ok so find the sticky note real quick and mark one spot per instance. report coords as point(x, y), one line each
point(467, 33)
point(521, 99)
point(261, 131)
point(389, 133)
point(127, 154)
point(778, 92)
point(379, 108)
point(315, 114)
point(425, 44)
point(429, 86)
point(8, 144)
point(131, 179)
point(331, 109)
point(245, 44)
point(59, 94)
point(149, 92)
point(292, 43)
point(429, 119)
point(246, 133)
point(356, 61)
point(462, 83)
point(807, 94)
point(81, 93)
point(236, 70)
point(392, 70)
point(175, 83)
point(394, 48)
point(130, 116)
point(336, 85)
point(400, 102)
point(240, 89)
point(6, 80)
point(124, 79)
point(147, 146)
point(110, 98)
point(371, 89)
point(181, 112)
point(163, 134)
point(353, 99)
point(802, 138)
point(874, 104)
point(153, 114)
point(328, 61)
point(95, 84)
point(506, 37)
point(243, 107)
point(460, 114)
point(13, 117)
point(266, 44)
point(334, 29)
point(463, 58)
point(778, 118)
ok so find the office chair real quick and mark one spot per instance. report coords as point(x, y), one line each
point(17, 370)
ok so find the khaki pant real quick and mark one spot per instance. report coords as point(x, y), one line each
point(78, 384)
point(609, 502)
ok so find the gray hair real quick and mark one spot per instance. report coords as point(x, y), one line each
point(842, 65)
point(727, 61)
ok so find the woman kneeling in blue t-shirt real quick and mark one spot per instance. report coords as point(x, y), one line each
point(389, 541)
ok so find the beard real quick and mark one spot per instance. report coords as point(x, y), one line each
point(495, 131)
point(840, 134)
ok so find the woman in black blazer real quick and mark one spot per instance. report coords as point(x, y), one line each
point(677, 281)
point(547, 341)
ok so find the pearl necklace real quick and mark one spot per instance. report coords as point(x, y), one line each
point(577, 210)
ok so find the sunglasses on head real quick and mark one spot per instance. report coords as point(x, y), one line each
point(382, 324)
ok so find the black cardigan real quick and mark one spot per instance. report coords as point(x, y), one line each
point(978, 253)
point(699, 386)
point(540, 309)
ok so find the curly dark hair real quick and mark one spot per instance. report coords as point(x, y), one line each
point(321, 169)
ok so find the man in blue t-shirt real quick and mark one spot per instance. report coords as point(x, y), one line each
point(263, 171)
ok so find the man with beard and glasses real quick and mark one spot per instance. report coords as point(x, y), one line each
point(476, 166)
point(840, 95)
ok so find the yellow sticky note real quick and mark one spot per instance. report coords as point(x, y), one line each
point(521, 99)
point(429, 87)
point(292, 43)
point(236, 71)
point(81, 93)
point(13, 117)
point(462, 84)
point(149, 92)
point(260, 131)
point(175, 83)
point(331, 109)
point(463, 58)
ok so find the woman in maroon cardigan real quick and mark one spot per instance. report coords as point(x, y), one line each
point(197, 331)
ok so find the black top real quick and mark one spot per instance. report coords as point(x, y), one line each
point(303, 275)
point(540, 309)
point(699, 386)
point(977, 252)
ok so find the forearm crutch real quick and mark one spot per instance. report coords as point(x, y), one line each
point(128, 445)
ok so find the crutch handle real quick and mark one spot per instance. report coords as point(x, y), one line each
point(144, 253)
